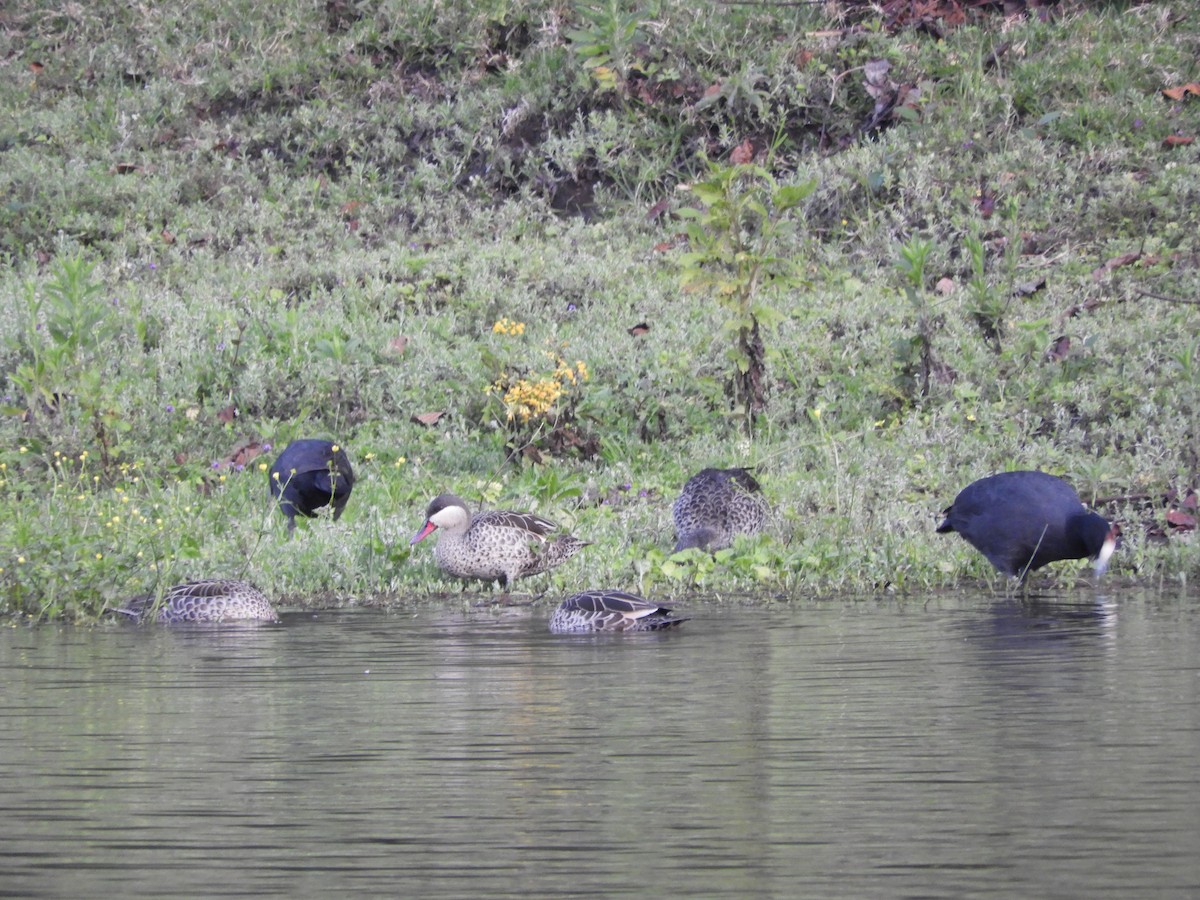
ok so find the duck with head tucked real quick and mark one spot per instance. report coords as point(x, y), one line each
point(214, 600)
point(610, 611)
point(494, 544)
point(714, 506)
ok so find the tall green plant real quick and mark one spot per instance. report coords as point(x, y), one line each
point(914, 353)
point(66, 347)
point(735, 251)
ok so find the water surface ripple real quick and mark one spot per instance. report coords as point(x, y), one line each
point(954, 746)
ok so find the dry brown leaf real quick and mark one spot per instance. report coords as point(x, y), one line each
point(243, 453)
point(639, 329)
point(1116, 262)
point(1059, 350)
point(397, 345)
point(427, 418)
point(743, 153)
point(1177, 140)
point(1181, 520)
point(945, 286)
point(1178, 93)
point(227, 415)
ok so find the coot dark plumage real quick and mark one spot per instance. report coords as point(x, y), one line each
point(309, 475)
point(1023, 520)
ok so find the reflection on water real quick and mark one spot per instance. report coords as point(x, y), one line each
point(946, 746)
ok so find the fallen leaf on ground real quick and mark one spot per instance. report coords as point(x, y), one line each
point(1178, 93)
point(743, 153)
point(1059, 350)
point(427, 418)
point(1116, 262)
point(243, 453)
point(1181, 520)
point(639, 329)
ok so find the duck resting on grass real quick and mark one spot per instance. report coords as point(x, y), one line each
point(495, 544)
point(1022, 521)
point(216, 600)
point(714, 506)
point(593, 611)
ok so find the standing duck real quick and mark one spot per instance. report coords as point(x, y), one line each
point(308, 475)
point(610, 611)
point(494, 544)
point(714, 506)
point(216, 600)
point(1023, 520)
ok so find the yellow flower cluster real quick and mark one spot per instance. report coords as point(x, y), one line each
point(565, 373)
point(527, 399)
point(505, 325)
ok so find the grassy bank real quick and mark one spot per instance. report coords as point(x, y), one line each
point(233, 224)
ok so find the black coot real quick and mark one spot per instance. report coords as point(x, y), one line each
point(1023, 520)
point(308, 475)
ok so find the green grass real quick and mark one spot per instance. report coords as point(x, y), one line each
point(248, 205)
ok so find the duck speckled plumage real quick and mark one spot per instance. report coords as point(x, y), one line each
point(714, 506)
point(495, 544)
point(610, 611)
point(218, 600)
point(308, 475)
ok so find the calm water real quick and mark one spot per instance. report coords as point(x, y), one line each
point(956, 747)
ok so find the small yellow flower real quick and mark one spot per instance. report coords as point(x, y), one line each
point(20, 560)
point(22, 449)
point(334, 449)
point(99, 556)
point(369, 456)
point(262, 467)
point(275, 475)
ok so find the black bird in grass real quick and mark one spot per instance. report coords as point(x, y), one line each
point(1023, 520)
point(308, 475)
